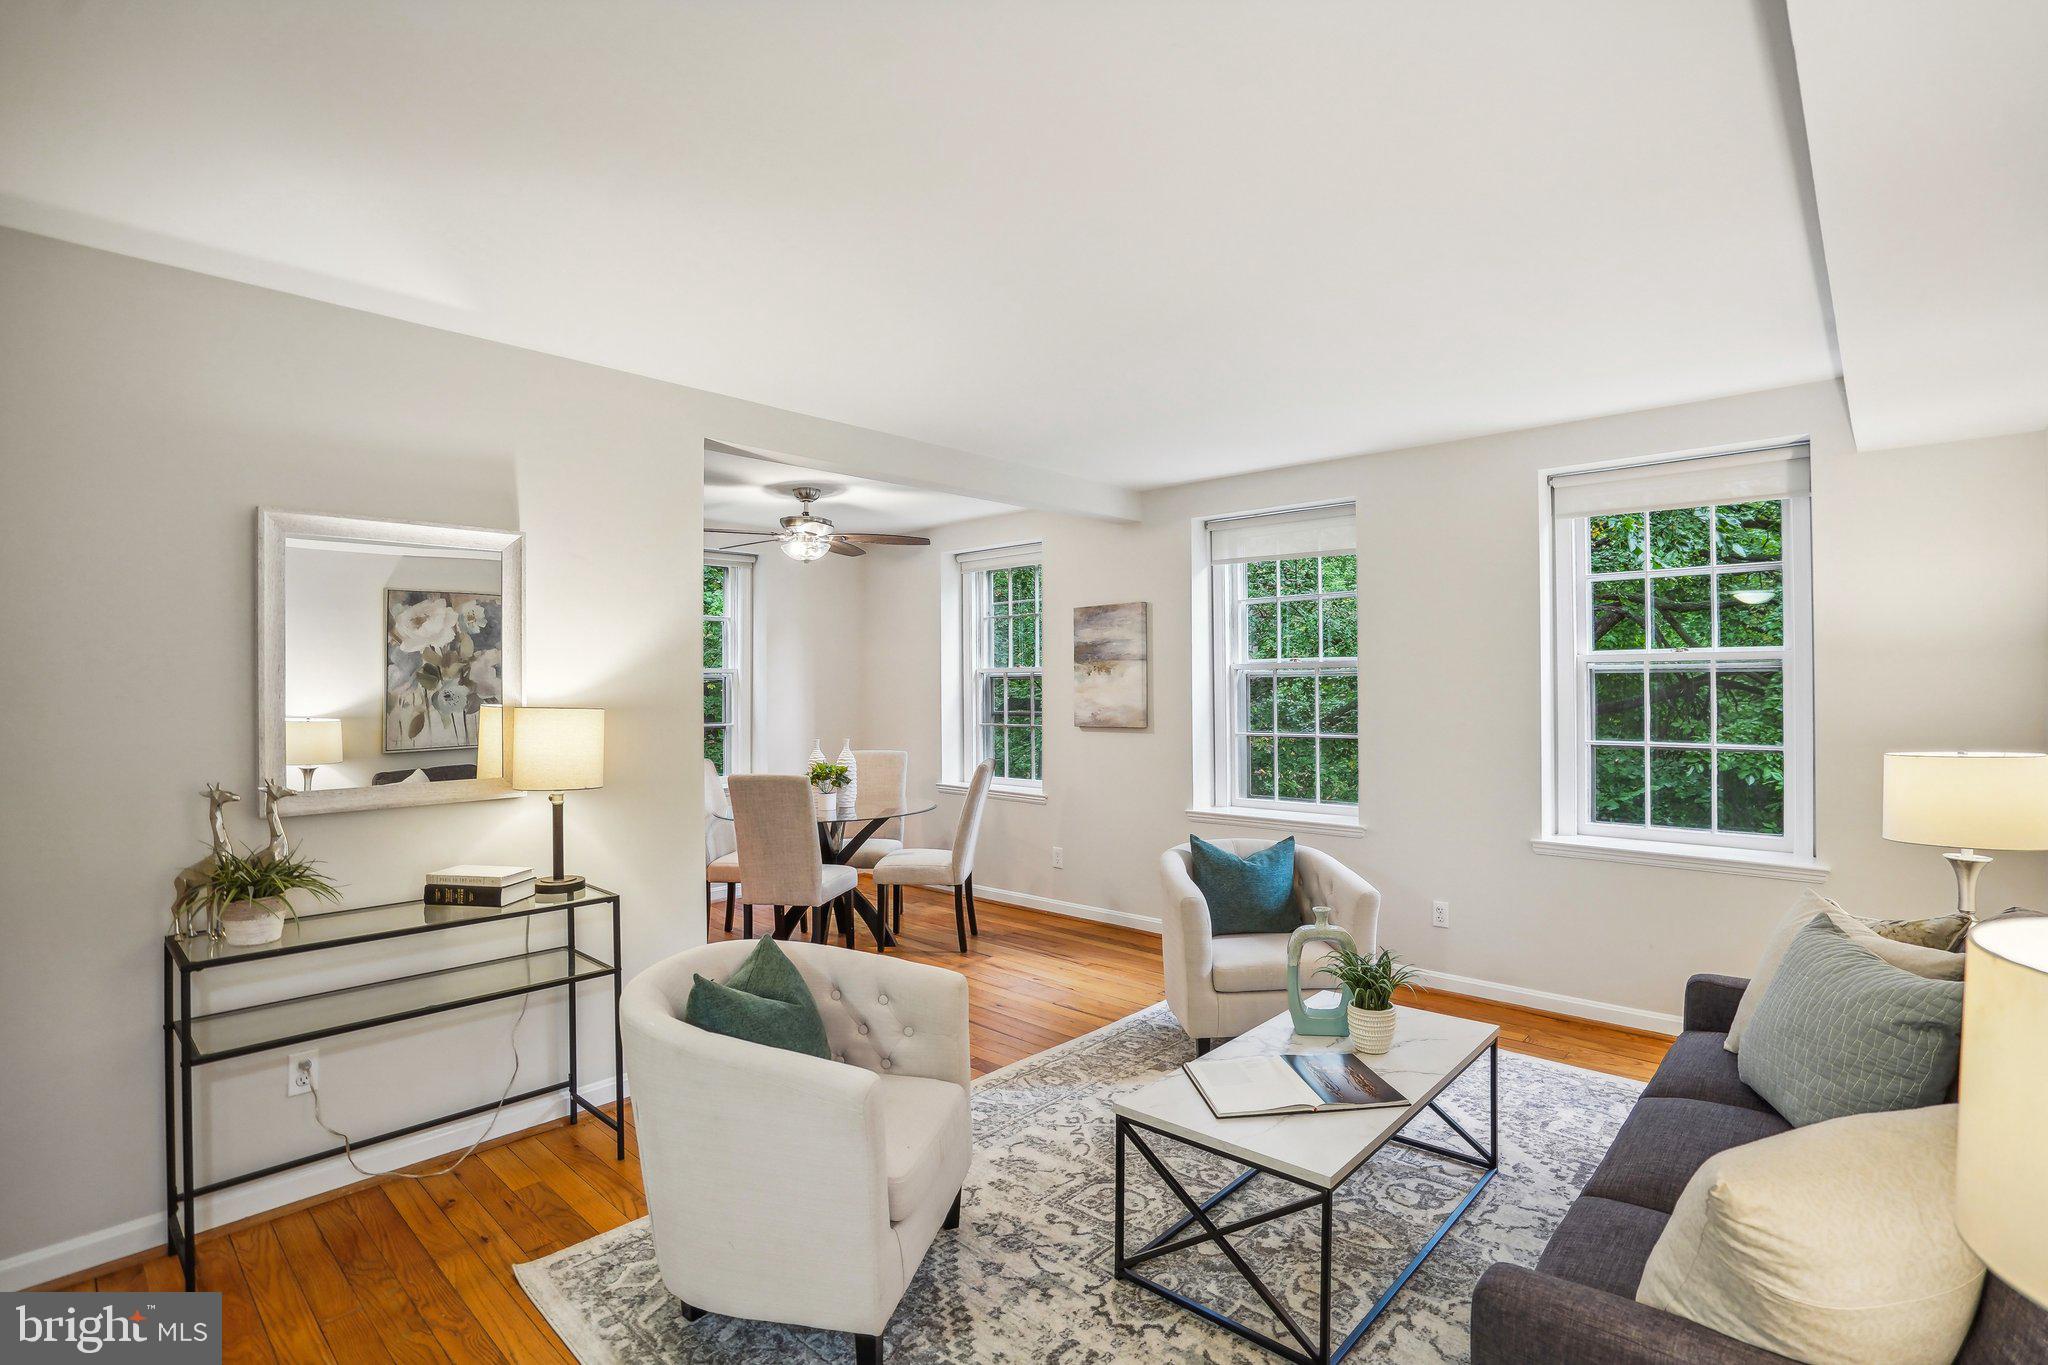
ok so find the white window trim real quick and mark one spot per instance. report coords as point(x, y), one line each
point(1215, 791)
point(971, 568)
point(1566, 709)
point(739, 671)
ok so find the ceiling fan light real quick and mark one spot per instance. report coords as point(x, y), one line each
point(807, 549)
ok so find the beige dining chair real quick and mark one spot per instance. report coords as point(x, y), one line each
point(777, 831)
point(951, 867)
point(721, 862)
point(884, 786)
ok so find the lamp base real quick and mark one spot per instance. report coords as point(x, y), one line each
point(1969, 865)
point(557, 886)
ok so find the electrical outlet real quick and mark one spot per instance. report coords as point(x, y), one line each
point(1440, 914)
point(302, 1073)
point(1059, 856)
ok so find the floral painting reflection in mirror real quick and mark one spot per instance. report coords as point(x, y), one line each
point(442, 659)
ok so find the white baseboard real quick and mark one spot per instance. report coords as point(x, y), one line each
point(1578, 1008)
point(1072, 909)
point(40, 1265)
point(1597, 1010)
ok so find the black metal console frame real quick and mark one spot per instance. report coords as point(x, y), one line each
point(182, 1057)
point(1303, 1349)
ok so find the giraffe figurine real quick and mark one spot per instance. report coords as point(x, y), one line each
point(193, 887)
point(279, 848)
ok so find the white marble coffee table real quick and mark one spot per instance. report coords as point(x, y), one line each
point(1314, 1151)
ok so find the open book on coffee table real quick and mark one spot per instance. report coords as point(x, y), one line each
point(1290, 1083)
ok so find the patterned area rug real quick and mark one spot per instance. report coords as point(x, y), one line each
point(1028, 1276)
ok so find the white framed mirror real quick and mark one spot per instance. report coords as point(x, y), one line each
point(377, 642)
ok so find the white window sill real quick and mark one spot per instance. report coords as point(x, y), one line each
point(1034, 796)
point(1330, 826)
point(1789, 867)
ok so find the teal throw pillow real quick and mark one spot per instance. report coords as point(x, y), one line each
point(1841, 1031)
point(1250, 895)
point(765, 1001)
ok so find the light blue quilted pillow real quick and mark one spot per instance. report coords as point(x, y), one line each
point(1841, 1031)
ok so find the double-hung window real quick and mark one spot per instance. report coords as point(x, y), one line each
point(1683, 670)
point(1001, 593)
point(1284, 629)
point(728, 599)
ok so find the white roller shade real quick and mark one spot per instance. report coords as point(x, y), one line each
point(1328, 530)
point(1693, 481)
point(1001, 556)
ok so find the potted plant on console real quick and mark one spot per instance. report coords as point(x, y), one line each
point(1372, 981)
point(827, 779)
point(250, 889)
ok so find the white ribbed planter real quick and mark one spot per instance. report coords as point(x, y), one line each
point(1372, 1031)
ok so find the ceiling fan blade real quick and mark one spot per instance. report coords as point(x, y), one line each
point(736, 531)
point(743, 544)
point(864, 538)
point(840, 547)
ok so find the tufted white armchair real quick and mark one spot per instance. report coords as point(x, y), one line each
point(1221, 987)
point(787, 1188)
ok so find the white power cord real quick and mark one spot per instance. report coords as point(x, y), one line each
point(348, 1151)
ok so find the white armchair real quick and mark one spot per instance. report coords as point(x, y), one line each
point(1221, 987)
point(786, 1188)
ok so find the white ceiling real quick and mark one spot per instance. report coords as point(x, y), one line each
point(750, 491)
point(1143, 241)
point(1929, 127)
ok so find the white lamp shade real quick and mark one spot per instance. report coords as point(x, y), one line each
point(312, 743)
point(490, 742)
point(553, 748)
point(1967, 800)
point(2001, 1153)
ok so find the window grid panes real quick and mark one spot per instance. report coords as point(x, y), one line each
point(1294, 681)
point(1682, 667)
point(1009, 678)
point(721, 671)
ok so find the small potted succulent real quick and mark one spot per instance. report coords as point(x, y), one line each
point(1372, 982)
point(827, 781)
point(248, 893)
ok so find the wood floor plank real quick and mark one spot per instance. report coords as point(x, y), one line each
point(288, 1320)
point(407, 1335)
point(423, 1270)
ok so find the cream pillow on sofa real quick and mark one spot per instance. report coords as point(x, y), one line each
point(1832, 1243)
point(1932, 963)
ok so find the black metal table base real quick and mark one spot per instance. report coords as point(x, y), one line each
point(1302, 1347)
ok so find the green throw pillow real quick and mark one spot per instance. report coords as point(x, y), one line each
point(765, 1001)
point(1253, 895)
point(1841, 1031)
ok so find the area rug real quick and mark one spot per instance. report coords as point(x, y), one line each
point(1028, 1275)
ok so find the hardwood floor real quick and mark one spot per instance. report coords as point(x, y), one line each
point(421, 1270)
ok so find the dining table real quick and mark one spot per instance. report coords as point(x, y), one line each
point(839, 838)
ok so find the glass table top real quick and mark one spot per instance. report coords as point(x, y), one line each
point(332, 928)
point(885, 813)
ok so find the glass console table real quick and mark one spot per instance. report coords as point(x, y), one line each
point(193, 1040)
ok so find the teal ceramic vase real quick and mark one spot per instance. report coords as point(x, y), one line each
point(1317, 1022)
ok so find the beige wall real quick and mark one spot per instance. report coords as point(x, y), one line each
point(145, 413)
point(1931, 609)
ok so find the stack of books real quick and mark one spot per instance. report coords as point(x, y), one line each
point(479, 884)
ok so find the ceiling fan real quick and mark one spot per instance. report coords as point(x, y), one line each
point(807, 537)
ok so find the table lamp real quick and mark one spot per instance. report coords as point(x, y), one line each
point(552, 749)
point(1967, 801)
point(311, 743)
point(2001, 1160)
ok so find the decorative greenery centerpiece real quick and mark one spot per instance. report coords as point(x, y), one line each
point(247, 894)
point(827, 781)
point(1372, 981)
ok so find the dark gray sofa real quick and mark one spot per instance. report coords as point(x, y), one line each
point(1578, 1306)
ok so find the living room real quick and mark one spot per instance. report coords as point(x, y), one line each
point(1559, 488)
